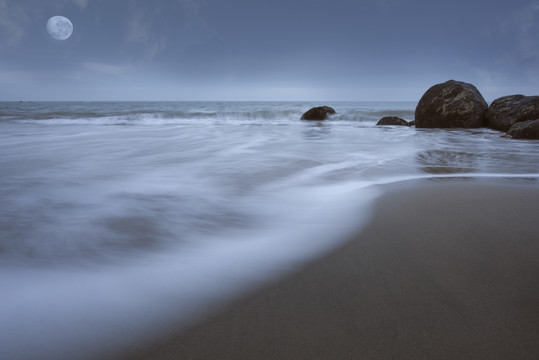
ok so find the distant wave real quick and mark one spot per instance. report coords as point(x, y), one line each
point(177, 113)
point(177, 117)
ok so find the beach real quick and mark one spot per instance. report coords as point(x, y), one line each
point(446, 269)
point(266, 180)
point(235, 230)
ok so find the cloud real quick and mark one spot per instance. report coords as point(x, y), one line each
point(16, 77)
point(81, 3)
point(13, 22)
point(105, 68)
point(139, 27)
point(522, 28)
point(190, 5)
point(382, 4)
point(141, 30)
point(526, 23)
point(149, 23)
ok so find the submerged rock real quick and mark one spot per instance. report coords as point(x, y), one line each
point(506, 111)
point(318, 113)
point(393, 120)
point(528, 129)
point(452, 104)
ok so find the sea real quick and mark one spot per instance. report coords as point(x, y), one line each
point(120, 220)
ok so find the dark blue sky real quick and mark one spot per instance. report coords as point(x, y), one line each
point(266, 50)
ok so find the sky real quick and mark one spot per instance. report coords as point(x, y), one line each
point(350, 50)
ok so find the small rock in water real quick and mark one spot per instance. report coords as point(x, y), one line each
point(393, 120)
point(524, 130)
point(506, 111)
point(453, 104)
point(318, 113)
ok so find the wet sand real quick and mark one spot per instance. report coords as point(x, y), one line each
point(446, 270)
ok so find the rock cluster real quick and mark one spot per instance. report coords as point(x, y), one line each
point(456, 104)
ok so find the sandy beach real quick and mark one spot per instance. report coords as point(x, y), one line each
point(267, 180)
point(447, 270)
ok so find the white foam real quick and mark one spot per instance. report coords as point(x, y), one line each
point(85, 312)
point(66, 313)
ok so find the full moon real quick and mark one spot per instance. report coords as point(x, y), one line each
point(59, 27)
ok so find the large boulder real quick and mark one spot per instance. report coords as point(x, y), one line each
point(509, 110)
point(318, 113)
point(452, 104)
point(393, 120)
point(524, 130)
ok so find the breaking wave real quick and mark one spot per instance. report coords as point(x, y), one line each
point(150, 113)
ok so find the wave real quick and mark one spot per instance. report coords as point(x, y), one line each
point(164, 118)
point(157, 117)
point(132, 302)
point(177, 113)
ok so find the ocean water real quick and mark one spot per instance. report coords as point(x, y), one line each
point(119, 219)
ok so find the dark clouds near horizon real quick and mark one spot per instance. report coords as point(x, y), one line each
point(266, 50)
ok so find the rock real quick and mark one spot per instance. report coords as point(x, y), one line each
point(453, 104)
point(318, 113)
point(412, 123)
point(528, 129)
point(509, 110)
point(393, 120)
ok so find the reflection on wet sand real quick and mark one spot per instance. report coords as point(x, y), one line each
point(316, 130)
point(447, 162)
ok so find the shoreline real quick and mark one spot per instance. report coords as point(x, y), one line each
point(445, 270)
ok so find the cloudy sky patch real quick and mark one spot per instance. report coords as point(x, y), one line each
point(268, 50)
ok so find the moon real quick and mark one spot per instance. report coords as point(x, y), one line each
point(59, 27)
